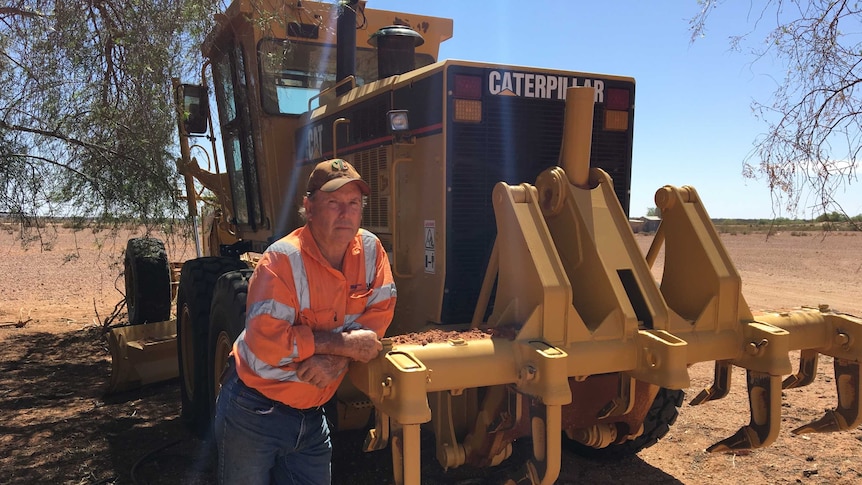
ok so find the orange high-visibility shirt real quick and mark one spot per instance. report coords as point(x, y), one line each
point(293, 292)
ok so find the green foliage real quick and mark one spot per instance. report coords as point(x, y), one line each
point(87, 126)
point(835, 221)
point(833, 217)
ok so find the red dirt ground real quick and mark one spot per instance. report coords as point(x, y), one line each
point(58, 427)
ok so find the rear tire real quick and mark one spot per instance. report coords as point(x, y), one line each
point(194, 298)
point(148, 281)
point(661, 415)
point(227, 321)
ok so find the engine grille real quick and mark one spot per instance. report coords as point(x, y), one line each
point(373, 165)
point(517, 140)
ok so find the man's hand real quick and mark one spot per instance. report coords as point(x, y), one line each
point(322, 369)
point(362, 345)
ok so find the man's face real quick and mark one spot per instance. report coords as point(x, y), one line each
point(334, 217)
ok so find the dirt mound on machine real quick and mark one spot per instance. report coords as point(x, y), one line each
point(434, 336)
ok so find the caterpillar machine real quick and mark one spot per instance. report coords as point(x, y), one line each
point(501, 195)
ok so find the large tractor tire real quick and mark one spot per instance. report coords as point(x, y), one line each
point(194, 299)
point(148, 281)
point(227, 321)
point(662, 414)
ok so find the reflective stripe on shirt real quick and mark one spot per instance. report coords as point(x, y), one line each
point(385, 292)
point(369, 249)
point(260, 367)
point(300, 278)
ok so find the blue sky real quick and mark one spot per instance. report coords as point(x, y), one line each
point(693, 119)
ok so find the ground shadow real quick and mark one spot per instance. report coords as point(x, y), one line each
point(172, 455)
point(351, 465)
point(57, 426)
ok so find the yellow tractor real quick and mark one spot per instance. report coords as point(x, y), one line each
point(501, 195)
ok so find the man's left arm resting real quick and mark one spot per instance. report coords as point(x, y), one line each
point(362, 344)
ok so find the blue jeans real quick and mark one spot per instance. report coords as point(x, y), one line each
point(261, 441)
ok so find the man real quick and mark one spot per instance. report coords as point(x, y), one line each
point(320, 297)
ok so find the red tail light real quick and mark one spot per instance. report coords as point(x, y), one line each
point(617, 99)
point(467, 87)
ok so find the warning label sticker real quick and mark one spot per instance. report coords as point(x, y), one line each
point(430, 246)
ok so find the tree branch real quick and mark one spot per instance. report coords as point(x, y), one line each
point(94, 183)
point(17, 12)
point(59, 136)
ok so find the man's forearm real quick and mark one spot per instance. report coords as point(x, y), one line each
point(322, 369)
point(330, 343)
point(362, 345)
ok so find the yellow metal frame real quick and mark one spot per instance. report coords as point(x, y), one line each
point(580, 300)
point(142, 354)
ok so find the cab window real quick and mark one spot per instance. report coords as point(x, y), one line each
point(293, 72)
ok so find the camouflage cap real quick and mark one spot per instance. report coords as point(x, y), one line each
point(331, 175)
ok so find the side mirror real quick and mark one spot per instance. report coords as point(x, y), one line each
point(194, 101)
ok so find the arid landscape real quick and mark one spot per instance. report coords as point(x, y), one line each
point(59, 427)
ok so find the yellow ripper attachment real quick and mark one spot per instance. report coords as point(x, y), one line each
point(764, 389)
point(576, 298)
point(142, 354)
point(692, 247)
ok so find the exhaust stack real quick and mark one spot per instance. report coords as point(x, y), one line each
point(396, 49)
point(345, 52)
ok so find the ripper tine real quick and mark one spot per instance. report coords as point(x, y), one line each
point(764, 398)
point(848, 413)
point(807, 370)
point(720, 385)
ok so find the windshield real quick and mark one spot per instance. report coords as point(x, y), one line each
point(294, 72)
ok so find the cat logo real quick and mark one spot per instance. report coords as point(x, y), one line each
point(542, 86)
point(314, 142)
